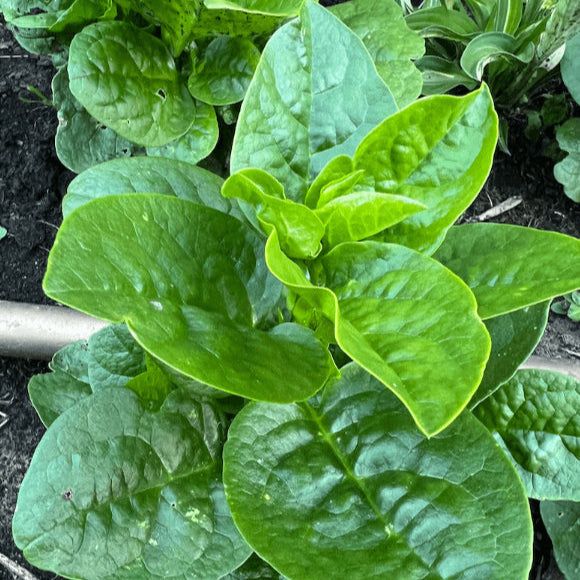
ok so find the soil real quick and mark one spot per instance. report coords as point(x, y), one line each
point(32, 183)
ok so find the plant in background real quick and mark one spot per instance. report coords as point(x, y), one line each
point(217, 417)
point(569, 305)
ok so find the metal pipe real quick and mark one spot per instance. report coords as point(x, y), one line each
point(35, 331)
point(561, 366)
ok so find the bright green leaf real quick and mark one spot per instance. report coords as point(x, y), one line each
point(570, 67)
point(114, 491)
point(438, 151)
point(375, 498)
point(224, 70)
point(337, 177)
point(199, 141)
point(315, 95)
point(514, 336)
point(536, 419)
point(127, 79)
point(192, 285)
point(401, 316)
point(490, 47)
point(390, 42)
point(567, 171)
point(299, 229)
point(506, 17)
point(511, 267)
point(562, 520)
point(148, 175)
point(271, 7)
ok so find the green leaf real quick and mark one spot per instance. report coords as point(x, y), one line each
point(299, 113)
point(535, 417)
point(3, 232)
point(82, 141)
point(271, 7)
point(506, 17)
point(511, 267)
point(337, 177)
point(254, 568)
point(567, 171)
point(376, 498)
point(401, 316)
point(490, 47)
point(570, 67)
point(360, 215)
point(390, 42)
point(299, 229)
point(199, 141)
point(152, 386)
point(193, 288)
point(227, 22)
point(176, 18)
point(148, 175)
point(438, 151)
point(562, 520)
point(441, 75)
point(514, 336)
point(114, 491)
point(439, 22)
point(555, 109)
point(110, 59)
point(224, 70)
point(73, 360)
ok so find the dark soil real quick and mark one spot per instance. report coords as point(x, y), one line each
point(32, 183)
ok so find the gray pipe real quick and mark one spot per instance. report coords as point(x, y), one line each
point(34, 331)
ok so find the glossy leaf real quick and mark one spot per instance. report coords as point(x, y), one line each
point(401, 316)
point(299, 113)
point(226, 22)
point(440, 75)
point(570, 67)
point(376, 498)
point(148, 175)
point(114, 491)
point(299, 229)
point(126, 79)
point(535, 417)
point(271, 7)
point(192, 286)
point(360, 215)
point(490, 47)
point(562, 520)
point(439, 22)
point(224, 70)
point(438, 151)
point(390, 42)
point(511, 267)
point(514, 336)
point(567, 171)
point(73, 360)
point(82, 141)
point(199, 141)
point(337, 177)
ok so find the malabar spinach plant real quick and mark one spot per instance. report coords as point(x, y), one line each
point(308, 361)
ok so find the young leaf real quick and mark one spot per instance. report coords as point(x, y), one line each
point(390, 42)
point(376, 498)
point(567, 171)
point(192, 285)
point(562, 520)
point(118, 492)
point(402, 317)
point(300, 112)
point(337, 176)
point(299, 229)
point(147, 175)
point(511, 267)
point(535, 417)
point(73, 360)
point(438, 151)
point(199, 141)
point(439, 22)
point(112, 59)
point(514, 336)
point(224, 71)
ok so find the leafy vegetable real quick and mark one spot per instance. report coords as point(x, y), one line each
point(567, 171)
point(373, 490)
point(570, 67)
point(535, 419)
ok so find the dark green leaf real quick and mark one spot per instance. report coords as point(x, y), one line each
point(536, 419)
point(570, 67)
point(567, 171)
point(271, 7)
point(345, 486)
point(227, 22)
point(511, 267)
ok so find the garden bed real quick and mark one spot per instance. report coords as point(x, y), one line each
point(32, 183)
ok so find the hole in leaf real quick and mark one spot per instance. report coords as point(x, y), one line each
point(161, 94)
point(67, 495)
point(102, 127)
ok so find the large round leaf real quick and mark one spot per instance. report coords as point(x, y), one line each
point(570, 67)
point(127, 79)
point(193, 287)
point(345, 486)
point(315, 95)
point(536, 418)
point(114, 491)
